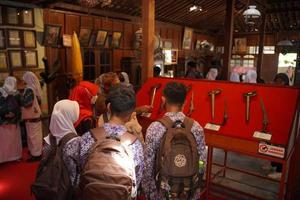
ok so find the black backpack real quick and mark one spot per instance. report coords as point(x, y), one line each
point(52, 180)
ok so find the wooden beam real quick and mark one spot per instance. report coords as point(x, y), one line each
point(148, 21)
point(228, 38)
point(261, 45)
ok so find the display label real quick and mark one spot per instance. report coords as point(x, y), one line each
point(271, 150)
point(262, 135)
point(213, 127)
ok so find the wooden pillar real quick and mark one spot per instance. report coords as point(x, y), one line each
point(228, 38)
point(261, 46)
point(148, 21)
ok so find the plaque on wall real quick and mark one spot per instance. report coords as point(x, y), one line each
point(30, 58)
point(52, 35)
point(27, 16)
point(116, 39)
point(12, 16)
point(29, 38)
point(101, 38)
point(3, 61)
point(14, 38)
point(2, 39)
point(67, 40)
point(15, 59)
point(84, 36)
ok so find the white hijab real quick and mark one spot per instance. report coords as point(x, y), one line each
point(234, 77)
point(212, 74)
point(126, 78)
point(32, 82)
point(65, 114)
point(251, 76)
point(9, 86)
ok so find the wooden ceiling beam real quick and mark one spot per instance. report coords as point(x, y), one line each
point(171, 11)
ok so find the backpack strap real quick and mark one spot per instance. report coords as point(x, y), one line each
point(98, 133)
point(188, 123)
point(128, 138)
point(66, 139)
point(166, 122)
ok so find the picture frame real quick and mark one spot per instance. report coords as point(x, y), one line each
point(14, 38)
point(240, 45)
point(2, 39)
point(3, 61)
point(29, 39)
point(67, 40)
point(15, 58)
point(12, 16)
point(116, 39)
point(84, 36)
point(27, 17)
point(52, 35)
point(101, 38)
point(187, 38)
point(30, 58)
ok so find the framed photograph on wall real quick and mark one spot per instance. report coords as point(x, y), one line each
point(84, 36)
point(101, 38)
point(15, 59)
point(187, 38)
point(116, 39)
point(52, 35)
point(67, 40)
point(30, 58)
point(12, 16)
point(29, 39)
point(3, 61)
point(2, 39)
point(14, 38)
point(240, 45)
point(27, 17)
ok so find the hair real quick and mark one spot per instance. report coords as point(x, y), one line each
point(122, 100)
point(175, 93)
point(121, 77)
point(283, 77)
point(192, 64)
point(108, 80)
point(156, 71)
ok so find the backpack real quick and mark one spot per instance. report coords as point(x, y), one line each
point(177, 160)
point(109, 172)
point(52, 180)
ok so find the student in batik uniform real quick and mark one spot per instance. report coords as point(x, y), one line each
point(31, 114)
point(10, 116)
point(121, 105)
point(173, 98)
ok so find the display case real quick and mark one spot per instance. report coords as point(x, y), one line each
point(267, 133)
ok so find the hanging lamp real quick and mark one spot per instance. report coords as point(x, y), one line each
point(251, 15)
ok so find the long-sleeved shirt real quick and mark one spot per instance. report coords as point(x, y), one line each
point(76, 151)
point(154, 136)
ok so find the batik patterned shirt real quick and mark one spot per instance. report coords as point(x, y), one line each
point(76, 151)
point(154, 136)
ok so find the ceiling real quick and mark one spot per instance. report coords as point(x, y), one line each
point(281, 15)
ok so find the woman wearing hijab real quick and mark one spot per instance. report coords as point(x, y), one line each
point(65, 114)
point(31, 114)
point(212, 74)
point(234, 77)
point(251, 77)
point(10, 116)
point(85, 93)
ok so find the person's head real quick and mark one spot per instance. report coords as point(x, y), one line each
point(212, 74)
point(156, 71)
point(174, 95)
point(65, 114)
point(108, 80)
point(192, 66)
point(281, 79)
point(251, 76)
point(32, 82)
point(121, 102)
point(10, 84)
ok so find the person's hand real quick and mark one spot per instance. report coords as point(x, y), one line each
point(144, 109)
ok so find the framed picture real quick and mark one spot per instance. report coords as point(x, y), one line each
point(116, 39)
point(3, 61)
point(27, 17)
point(198, 45)
point(168, 44)
point(12, 16)
point(187, 38)
point(1, 14)
point(84, 36)
point(52, 35)
point(30, 58)
point(2, 39)
point(67, 40)
point(240, 45)
point(14, 38)
point(29, 38)
point(15, 59)
point(101, 38)
point(92, 39)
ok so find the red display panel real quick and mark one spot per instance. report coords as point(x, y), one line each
point(280, 104)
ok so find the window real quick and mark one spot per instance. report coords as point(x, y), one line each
point(252, 49)
point(105, 61)
point(89, 65)
point(248, 61)
point(235, 61)
point(269, 49)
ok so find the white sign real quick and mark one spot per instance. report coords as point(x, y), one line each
point(212, 127)
point(271, 150)
point(262, 135)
